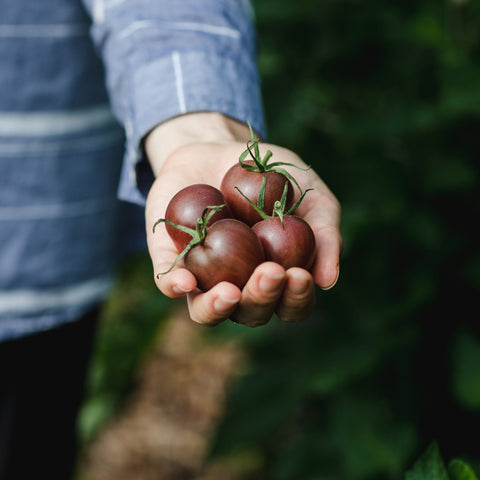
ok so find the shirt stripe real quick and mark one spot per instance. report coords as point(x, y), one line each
point(43, 31)
point(98, 11)
point(28, 124)
point(64, 210)
point(33, 301)
point(177, 67)
point(93, 143)
point(185, 26)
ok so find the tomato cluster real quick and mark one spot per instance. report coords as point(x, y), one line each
point(224, 234)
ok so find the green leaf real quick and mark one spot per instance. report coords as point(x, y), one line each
point(466, 369)
point(459, 470)
point(429, 466)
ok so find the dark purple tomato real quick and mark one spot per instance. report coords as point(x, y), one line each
point(249, 183)
point(292, 245)
point(187, 205)
point(230, 252)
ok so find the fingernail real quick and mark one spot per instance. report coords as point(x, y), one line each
point(270, 282)
point(335, 281)
point(299, 285)
point(221, 304)
point(179, 290)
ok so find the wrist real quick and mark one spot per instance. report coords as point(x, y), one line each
point(201, 127)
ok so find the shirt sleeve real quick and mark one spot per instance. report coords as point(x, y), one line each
point(164, 58)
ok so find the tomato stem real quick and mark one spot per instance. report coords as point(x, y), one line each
point(188, 230)
point(278, 211)
point(198, 234)
point(278, 207)
point(260, 202)
point(298, 202)
point(261, 165)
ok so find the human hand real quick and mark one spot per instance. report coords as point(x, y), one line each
point(205, 158)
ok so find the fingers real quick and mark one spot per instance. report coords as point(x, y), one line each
point(260, 295)
point(214, 306)
point(176, 283)
point(327, 265)
point(323, 213)
point(253, 306)
point(290, 294)
point(298, 298)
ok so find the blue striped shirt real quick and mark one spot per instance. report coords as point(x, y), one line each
point(81, 84)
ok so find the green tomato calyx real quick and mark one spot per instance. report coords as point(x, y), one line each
point(198, 233)
point(261, 165)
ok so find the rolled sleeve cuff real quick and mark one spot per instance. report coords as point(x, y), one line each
point(183, 82)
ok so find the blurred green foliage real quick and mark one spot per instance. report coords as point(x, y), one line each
point(431, 466)
point(383, 100)
point(131, 322)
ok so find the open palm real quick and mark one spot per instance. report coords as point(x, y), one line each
point(290, 294)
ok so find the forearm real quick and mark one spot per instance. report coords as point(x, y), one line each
point(201, 127)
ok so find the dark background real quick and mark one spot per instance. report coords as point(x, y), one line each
point(382, 98)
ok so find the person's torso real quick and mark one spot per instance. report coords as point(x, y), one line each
point(60, 156)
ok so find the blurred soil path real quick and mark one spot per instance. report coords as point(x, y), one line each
point(164, 428)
